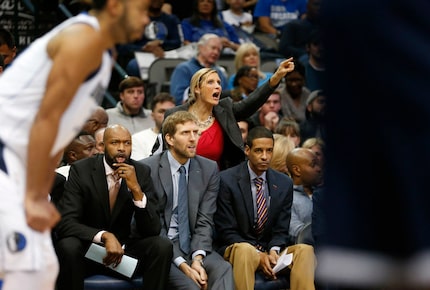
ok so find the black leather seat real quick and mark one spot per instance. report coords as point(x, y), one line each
point(98, 282)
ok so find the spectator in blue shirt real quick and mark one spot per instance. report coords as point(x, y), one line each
point(208, 52)
point(205, 19)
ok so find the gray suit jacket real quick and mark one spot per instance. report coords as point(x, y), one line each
point(203, 186)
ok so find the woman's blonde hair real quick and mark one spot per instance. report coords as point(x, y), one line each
point(196, 81)
point(243, 49)
point(311, 142)
point(282, 146)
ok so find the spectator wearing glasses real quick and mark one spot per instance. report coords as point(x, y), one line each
point(245, 82)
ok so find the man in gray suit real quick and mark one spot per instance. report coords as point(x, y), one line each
point(195, 264)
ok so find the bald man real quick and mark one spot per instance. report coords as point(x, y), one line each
point(81, 147)
point(306, 172)
point(98, 119)
point(92, 212)
point(98, 135)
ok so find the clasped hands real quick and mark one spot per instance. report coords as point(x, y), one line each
point(196, 272)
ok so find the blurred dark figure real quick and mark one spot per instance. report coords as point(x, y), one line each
point(377, 195)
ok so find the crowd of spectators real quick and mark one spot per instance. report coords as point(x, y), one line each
point(220, 108)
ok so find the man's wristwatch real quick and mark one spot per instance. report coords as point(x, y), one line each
point(199, 260)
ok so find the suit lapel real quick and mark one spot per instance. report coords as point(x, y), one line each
point(100, 185)
point(123, 196)
point(229, 126)
point(273, 195)
point(221, 117)
point(165, 177)
point(195, 186)
point(245, 190)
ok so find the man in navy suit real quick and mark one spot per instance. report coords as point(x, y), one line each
point(198, 267)
point(253, 236)
point(94, 213)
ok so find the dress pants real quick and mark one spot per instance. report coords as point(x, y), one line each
point(220, 276)
point(245, 260)
point(154, 255)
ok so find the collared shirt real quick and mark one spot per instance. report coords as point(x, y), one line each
point(138, 203)
point(301, 210)
point(174, 169)
point(252, 176)
point(173, 228)
point(109, 170)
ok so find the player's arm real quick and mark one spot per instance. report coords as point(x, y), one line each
point(76, 53)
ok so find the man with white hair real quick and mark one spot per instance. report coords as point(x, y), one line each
point(209, 50)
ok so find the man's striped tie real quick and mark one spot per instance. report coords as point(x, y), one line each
point(261, 206)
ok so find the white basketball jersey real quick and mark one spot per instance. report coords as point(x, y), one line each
point(22, 88)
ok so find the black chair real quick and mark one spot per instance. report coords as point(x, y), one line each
point(160, 71)
point(261, 283)
point(99, 282)
point(228, 64)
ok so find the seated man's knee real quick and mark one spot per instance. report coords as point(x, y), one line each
point(165, 246)
point(244, 249)
point(161, 245)
point(304, 248)
point(303, 251)
point(69, 247)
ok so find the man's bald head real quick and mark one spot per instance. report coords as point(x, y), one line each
point(304, 168)
point(299, 156)
point(98, 119)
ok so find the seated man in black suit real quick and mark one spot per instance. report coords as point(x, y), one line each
point(104, 197)
point(252, 220)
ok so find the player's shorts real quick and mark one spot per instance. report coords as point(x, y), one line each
point(21, 248)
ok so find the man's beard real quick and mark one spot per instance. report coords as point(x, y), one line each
point(110, 161)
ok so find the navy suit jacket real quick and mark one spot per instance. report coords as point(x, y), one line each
point(234, 218)
point(85, 203)
point(203, 186)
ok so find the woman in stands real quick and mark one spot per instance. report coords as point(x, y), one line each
point(204, 20)
point(249, 54)
point(221, 139)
